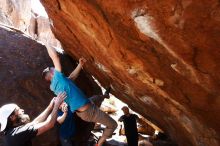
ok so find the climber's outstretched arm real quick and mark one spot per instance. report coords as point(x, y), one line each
point(77, 70)
point(55, 58)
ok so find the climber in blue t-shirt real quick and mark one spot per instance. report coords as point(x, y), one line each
point(76, 99)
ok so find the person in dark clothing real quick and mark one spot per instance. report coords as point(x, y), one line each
point(16, 125)
point(67, 125)
point(130, 125)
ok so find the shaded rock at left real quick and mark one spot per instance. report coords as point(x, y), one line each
point(21, 63)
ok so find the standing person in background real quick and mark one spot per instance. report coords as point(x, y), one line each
point(130, 125)
point(16, 125)
point(76, 99)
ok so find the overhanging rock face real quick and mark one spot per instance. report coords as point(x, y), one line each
point(161, 57)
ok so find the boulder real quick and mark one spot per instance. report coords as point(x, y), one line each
point(160, 57)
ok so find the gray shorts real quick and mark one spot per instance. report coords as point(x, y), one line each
point(94, 114)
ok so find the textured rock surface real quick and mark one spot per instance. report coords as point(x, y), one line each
point(39, 29)
point(161, 57)
point(16, 13)
point(21, 63)
point(19, 14)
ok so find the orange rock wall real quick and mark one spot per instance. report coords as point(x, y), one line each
point(161, 57)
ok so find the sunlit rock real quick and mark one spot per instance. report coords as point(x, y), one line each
point(160, 57)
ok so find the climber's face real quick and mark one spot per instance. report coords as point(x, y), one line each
point(48, 73)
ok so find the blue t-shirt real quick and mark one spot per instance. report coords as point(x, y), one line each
point(68, 127)
point(75, 97)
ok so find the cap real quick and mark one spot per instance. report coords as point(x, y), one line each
point(5, 112)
